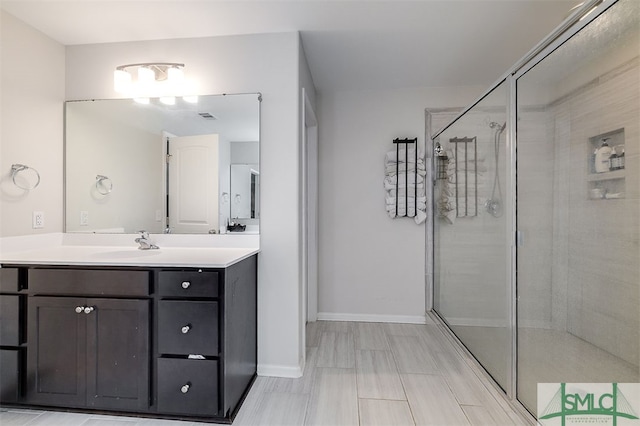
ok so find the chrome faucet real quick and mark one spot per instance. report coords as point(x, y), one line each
point(144, 242)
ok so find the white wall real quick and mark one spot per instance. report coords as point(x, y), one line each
point(305, 84)
point(237, 64)
point(32, 93)
point(94, 146)
point(371, 267)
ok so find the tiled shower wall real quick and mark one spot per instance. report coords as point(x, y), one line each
point(596, 242)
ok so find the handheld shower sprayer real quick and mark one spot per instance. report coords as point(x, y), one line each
point(494, 204)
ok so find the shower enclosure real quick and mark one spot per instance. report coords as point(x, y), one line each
point(542, 283)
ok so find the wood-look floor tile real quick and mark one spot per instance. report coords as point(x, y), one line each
point(378, 376)
point(412, 355)
point(431, 401)
point(480, 416)
point(59, 418)
point(276, 409)
point(109, 422)
point(463, 382)
point(371, 336)
point(15, 418)
point(314, 331)
point(337, 349)
point(301, 385)
point(339, 326)
point(334, 399)
point(378, 412)
point(393, 329)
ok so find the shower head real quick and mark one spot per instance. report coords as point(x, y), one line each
point(500, 127)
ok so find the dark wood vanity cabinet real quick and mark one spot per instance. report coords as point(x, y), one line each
point(12, 335)
point(88, 352)
point(170, 342)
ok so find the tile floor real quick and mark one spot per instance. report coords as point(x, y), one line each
point(356, 374)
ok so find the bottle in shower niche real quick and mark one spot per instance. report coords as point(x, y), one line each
point(602, 157)
point(620, 157)
point(613, 160)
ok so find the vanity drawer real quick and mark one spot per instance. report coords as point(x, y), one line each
point(89, 282)
point(10, 320)
point(188, 283)
point(9, 280)
point(188, 386)
point(187, 327)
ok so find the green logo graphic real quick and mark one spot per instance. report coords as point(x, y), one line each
point(564, 405)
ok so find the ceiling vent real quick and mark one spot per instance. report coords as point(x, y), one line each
point(207, 116)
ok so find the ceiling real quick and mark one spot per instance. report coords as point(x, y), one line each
point(350, 45)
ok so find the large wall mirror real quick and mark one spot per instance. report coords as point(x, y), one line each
point(190, 167)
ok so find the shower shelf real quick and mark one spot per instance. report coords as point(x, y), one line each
point(617, 174)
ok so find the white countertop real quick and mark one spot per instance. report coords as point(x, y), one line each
point(61, 252)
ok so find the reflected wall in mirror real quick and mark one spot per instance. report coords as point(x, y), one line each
point(245, 182)
point(162, 168)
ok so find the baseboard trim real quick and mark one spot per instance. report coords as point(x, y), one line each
point(279, 371)
point(404, 319)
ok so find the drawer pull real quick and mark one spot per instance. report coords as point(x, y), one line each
point(88, 309)
point(186, 284)
point(186, 329)
point(79, 309)
point(185, 388)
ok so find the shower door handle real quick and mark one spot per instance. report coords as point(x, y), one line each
point(519, 239)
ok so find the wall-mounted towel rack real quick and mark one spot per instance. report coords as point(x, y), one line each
point(104, 185)
point(466, 183)
point(406, 143)
point(16, 169)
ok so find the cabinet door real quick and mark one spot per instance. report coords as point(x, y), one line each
point(56, 362)
point(118, 354)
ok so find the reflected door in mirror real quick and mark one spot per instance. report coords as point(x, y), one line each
point(193, 184)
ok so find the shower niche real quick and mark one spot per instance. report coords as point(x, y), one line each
point(606, 180)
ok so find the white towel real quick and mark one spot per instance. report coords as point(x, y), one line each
point(392, 170)
point(391, 192)
point(402, 178)
point(401, 185)
point(390, 157)
point(401, 200)
point(420, 215)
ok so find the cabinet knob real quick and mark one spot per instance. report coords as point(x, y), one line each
point(185, 284)
point(185, 388)
point(79, 309)
point(186, 329)
point(88, 309)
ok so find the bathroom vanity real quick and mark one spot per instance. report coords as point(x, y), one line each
point(168, 333)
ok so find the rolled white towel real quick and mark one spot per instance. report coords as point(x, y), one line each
point(391, 192)
point(401, 185)
point(402, 207)
point(390, 157)
point(402, 178)
point(401, 200)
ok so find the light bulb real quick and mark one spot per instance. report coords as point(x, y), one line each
point(168, 100)
point(146, 76)
point(175, 76)
point(121, 81)
point(190, 99)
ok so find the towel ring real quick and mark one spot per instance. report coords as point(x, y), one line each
point(101, 186)
point(17, 168)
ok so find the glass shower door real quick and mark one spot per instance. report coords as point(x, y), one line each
point(471, 253)
point(578, 162)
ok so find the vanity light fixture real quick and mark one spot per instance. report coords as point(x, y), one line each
point(164, 80)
